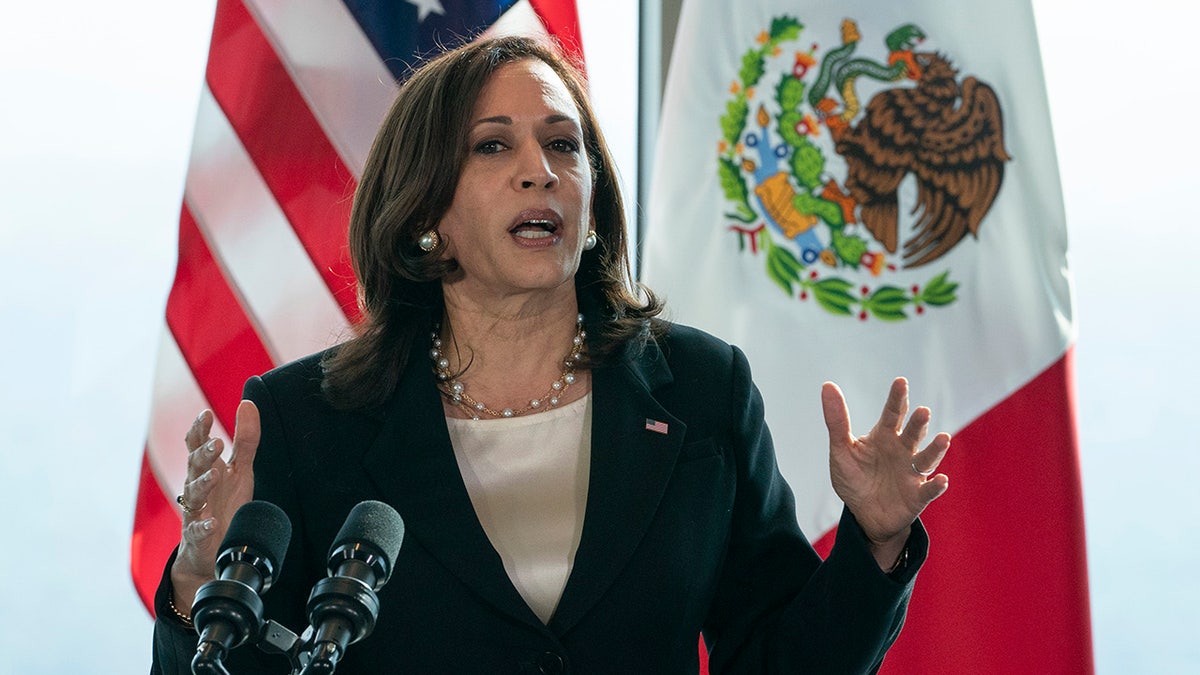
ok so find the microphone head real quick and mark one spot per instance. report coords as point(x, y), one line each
point(372, 530)
point(265, 531)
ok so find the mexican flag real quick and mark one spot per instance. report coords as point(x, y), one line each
point(858, 190)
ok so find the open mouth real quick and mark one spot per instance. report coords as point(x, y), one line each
point(535, 229)
point(540, 225)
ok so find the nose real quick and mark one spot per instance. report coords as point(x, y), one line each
point(533, 170)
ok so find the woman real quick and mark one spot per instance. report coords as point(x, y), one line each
point(585, 487)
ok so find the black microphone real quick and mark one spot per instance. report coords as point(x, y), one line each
point(229, 611)
point(343, 607)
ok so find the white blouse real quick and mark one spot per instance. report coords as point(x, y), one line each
point(528, 481)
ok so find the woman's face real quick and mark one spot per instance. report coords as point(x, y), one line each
point(522, 205)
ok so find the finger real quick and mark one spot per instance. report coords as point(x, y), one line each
point(933, 488)
point(197, 434)
point(917, 427)
point(927, 460)
point(896, 407)
point(202, 458)
point(197, 549)
point(246, 434)
point(198, 532)
point(837, 415)
point(196, 492)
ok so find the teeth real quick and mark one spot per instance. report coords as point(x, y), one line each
point(533, 234)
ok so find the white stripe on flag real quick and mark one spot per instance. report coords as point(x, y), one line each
point(520, 19)
point(269, 270)
point(334, 66)
point(177, 400)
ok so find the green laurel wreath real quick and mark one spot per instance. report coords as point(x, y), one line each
point(807, 165)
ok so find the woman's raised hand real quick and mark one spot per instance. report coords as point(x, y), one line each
point(213, 491)
point(884, 477)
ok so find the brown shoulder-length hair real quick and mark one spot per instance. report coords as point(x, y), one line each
point(408, 184)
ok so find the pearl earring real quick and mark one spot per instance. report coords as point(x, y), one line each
point(429, 241)
point(590, 242)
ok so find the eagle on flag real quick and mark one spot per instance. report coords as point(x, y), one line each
point(949, 136)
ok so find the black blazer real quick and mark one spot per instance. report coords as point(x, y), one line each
point(685, 531)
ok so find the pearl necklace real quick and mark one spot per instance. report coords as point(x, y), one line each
point(456, 392)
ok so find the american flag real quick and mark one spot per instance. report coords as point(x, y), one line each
point(294, 91)
point(656, 426)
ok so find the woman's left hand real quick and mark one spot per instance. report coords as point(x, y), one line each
point(884, 478)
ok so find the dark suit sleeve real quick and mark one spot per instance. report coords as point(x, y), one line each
point(174, 643)
point(778, 607)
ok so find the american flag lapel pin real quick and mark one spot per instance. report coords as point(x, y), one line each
point(656, 426)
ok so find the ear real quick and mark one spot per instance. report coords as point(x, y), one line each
point(447, 252)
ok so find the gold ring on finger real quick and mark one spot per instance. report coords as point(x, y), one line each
point(191, 512)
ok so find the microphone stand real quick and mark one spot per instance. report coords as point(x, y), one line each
point(305, 656)
point(278, 639)
point(345, 609)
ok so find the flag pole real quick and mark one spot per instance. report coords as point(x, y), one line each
point(651, 79)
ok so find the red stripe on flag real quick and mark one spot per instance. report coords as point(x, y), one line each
point(1008, 536)
point(155, 533)
point(209, 324)
point(222, 349)
point(824, 544)
point(1005, 587)
point(298, 163)
point(561, 19)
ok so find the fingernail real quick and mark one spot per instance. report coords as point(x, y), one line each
point(208, 476)
point(207, 524)
point(210, 447)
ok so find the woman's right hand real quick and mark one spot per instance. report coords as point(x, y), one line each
point(213, 491)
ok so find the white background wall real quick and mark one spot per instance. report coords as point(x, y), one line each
point(1124, 102)
point(96, 109)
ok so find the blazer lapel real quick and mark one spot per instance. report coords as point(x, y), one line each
point(635, 443)
point(412, 464)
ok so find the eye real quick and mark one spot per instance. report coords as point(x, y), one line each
point(488, 147)
point(564, 145)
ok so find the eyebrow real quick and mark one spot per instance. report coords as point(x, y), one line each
point(504, 119)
